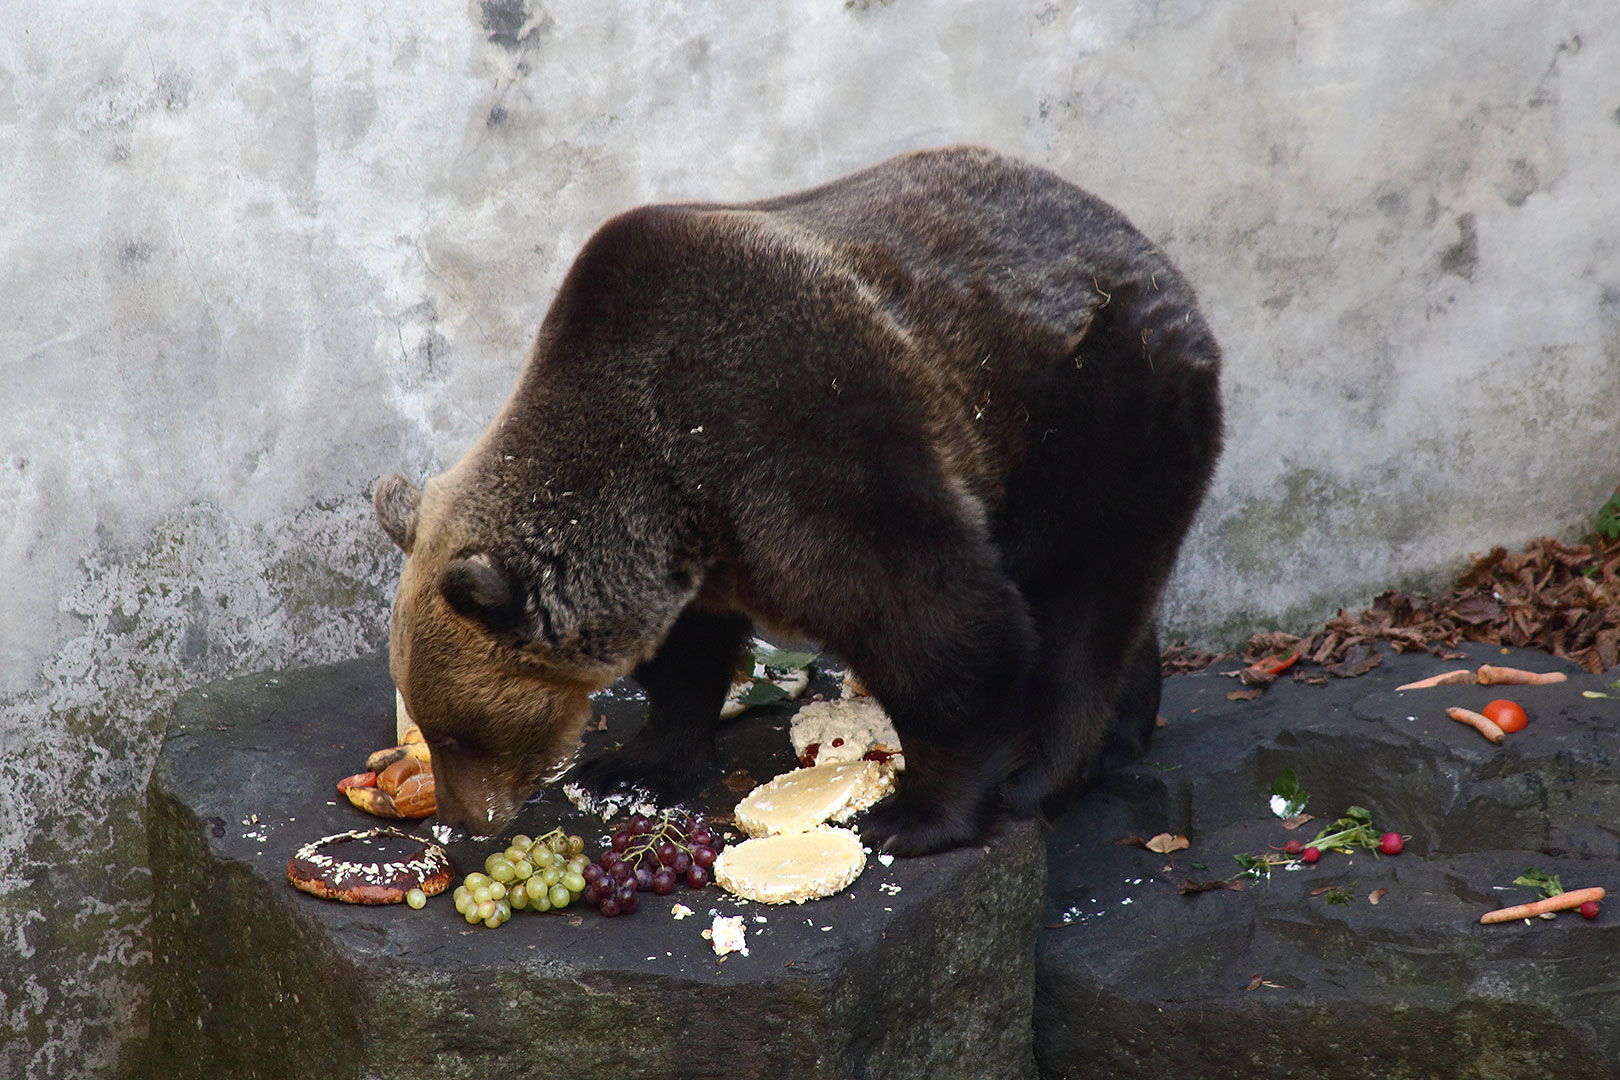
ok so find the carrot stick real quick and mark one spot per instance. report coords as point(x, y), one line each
point(1449, 678)
point(1479, 724)
point(1509, 676)
point(1562, 902)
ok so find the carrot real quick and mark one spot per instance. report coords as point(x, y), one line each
point(1562, 902)
point(1479, 724)
point(1509, 676)
point(1449, 678)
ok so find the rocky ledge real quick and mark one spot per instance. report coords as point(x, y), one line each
point(1360, 966)
point(1148, 965)
point(255, 979)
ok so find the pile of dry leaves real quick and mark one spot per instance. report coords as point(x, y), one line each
point(1560, 599)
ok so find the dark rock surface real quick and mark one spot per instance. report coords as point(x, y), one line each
point(1136, 980)
point(1129, 978)
point(255, 979)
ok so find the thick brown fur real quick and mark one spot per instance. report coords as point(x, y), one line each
point(950, 417)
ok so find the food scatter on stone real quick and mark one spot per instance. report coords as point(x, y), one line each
point(544, 873)
point(727, 934)
point(370, 866)
point(649, 854)
point(398, 780)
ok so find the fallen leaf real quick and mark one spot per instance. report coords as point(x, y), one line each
point(1130, 841)
point(1243, 695)
point(1160, 721)
point(1376, 895)
point(1297, 820)
point(1254, 982)
point(1190, 887)
point(1476, 609)
point(1164, 843)
point(1360, 659)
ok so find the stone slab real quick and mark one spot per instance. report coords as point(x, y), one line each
point(255, 979)
point(1136, 980)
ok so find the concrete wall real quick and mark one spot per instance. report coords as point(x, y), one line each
point(254, 255)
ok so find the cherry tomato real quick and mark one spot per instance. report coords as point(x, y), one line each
point(1506, 715)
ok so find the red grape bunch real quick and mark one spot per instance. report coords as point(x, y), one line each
point(651, 854)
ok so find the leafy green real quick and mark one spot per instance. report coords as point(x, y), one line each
point(763, 693)
point(1337, 896)
point(1288, 799)
point(1257, 866)
point(1353, 830)
point(1608, 517)
point(1538, 879)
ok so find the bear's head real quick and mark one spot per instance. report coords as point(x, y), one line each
point(500, 711)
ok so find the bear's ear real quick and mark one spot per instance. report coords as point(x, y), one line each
point(396, 502)
point(481, 587)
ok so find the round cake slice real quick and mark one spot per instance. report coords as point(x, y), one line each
point(790, 868)
point(805, 798)
point(369, 866)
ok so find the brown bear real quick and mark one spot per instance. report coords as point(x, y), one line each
point(950, 417)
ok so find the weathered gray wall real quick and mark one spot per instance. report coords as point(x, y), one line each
point(254, 255)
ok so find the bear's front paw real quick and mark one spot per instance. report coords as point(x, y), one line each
point(667, 780)
point(897, 826)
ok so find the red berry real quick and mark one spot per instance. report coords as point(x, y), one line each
point(1310, 855)
point(1392, 844)
point(1589, 909)
point(1293, 847)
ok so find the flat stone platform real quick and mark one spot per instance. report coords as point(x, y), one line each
point(923, 968)
point(1278, 980)
point(935, 967)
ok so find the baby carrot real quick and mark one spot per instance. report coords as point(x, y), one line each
point(1447, 679)
point(1508, 676)
point(1478, 723)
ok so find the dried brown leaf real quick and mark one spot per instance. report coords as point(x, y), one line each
point(1360, 659)
point(1164, 843)
point(1377, 895)
point(1244, 695)
point(1476, 609)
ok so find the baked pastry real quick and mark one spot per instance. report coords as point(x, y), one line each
point(369, 866)
point(805, 798)
point(790, 868)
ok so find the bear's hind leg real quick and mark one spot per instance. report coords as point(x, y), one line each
point(686, 683)
point(946, 666)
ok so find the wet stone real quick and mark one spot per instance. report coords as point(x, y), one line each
point(1275, 981)
point(922, 968)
